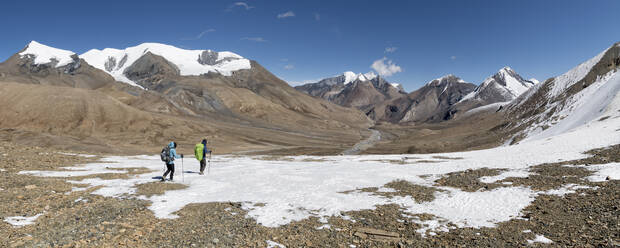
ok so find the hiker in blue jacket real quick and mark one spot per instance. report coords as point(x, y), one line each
point(172, 154)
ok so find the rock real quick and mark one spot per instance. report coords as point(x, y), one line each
point(377, 234)
point(215, 241)
point(31, 186)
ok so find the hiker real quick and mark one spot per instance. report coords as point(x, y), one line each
point(169, 153)
point(200, 152)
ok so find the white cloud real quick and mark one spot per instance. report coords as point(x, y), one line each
point(317, 16)
point(256, 39)
point(201, 34)
point(390, 49)
point(453, 57)
point(289, 67)
point(285, 15)
point(385, 67)
point(240, 4)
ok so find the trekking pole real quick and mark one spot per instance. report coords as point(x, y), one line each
point(182, 170)
point(209, 168)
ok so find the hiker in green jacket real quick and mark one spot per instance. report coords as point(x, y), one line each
point(200, 152)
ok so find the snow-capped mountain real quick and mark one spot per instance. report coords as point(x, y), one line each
point(560, 104)
point(188, 62)
point(431, 103)
point(181, 83)
point(495, 91)
point(42, 54)
point(353, 90)
point(504, 86)
point(40, 64)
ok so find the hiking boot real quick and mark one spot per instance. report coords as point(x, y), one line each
point(162, 180)
point(201, 173)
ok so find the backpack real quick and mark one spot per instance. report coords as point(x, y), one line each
point(198, 150)
point(165, 155)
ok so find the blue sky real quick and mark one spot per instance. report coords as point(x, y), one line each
point(308, 40)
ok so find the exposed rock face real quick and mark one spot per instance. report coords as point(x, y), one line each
point(431, 103)
point(150, 69)
point(208, 57)
point(110, 64)
point(360, 91)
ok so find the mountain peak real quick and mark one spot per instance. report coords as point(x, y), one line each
point(44, 54)
point(350, 76)
point(506, 69)
point(503, 86)
point(190, 62)
point(450, 78)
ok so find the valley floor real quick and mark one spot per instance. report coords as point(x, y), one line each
point(560, 190)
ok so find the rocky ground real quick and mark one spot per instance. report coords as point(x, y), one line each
point(587, 218)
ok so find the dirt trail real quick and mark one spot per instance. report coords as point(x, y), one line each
point(364, 144)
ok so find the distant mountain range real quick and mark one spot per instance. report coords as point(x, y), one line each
point(137, 98)
point(353, 90)
point(218, 94)
point(439, 100)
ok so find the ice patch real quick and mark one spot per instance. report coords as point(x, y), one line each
point(540, 239)
point(19, 221)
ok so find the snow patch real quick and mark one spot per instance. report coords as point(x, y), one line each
point(566, 189)
point(19, 221)
point(273, 244)
point(604, 171)
point(326, 226)
point(540, 239)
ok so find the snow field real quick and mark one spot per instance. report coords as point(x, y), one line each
point(295, 190)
